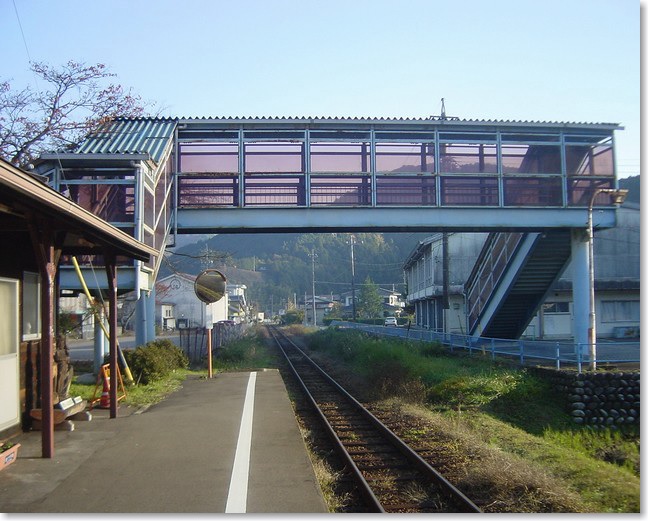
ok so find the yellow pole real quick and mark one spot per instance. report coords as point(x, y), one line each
point(129, 376)
point(210, 373)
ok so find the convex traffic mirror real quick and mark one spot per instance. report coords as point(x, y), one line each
point(210, 286)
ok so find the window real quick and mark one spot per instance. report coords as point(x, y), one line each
point(404, 157)
point(468, 158)
point(209, 157)
point(264, 158)
point(581, 191)
point(620, 311)
point(31, 321)
point(340, 157)
point(555, 307)
point(584, 160)
point(530, 159)
point(408, 190)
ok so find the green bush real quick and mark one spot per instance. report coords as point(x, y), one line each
point(424, 370)
point(246, 352)
point(293, 316)
point(155, 360)
point(472, 390)
point(237, 351)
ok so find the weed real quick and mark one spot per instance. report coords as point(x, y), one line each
point(531, 457)
point(155, 360)
point(612, 446)
point(247, 352)
point(413, 434)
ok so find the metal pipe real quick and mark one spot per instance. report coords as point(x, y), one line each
point(129, 376)
point(618, 198)
point(312, 255)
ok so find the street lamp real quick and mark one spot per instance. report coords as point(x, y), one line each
point(313, 256)
point(618, 196)
point(353, 299)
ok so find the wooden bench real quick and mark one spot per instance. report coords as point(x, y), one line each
point(64, 411)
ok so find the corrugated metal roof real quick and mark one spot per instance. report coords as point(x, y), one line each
point(153, 135)
point(348, 119)
point(130, 136)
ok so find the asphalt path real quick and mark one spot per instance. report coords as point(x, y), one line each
point(182, 455)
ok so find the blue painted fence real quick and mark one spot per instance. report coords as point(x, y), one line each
point(527, 352)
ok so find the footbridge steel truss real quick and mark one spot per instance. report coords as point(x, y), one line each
point(158, 177)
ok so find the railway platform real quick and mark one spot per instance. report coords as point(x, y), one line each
point(228, 444)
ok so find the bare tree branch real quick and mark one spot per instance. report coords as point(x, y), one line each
point(73, 101)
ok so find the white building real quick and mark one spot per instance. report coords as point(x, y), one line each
point(617, 283)
point(178, 307)
point(393, 303)
point(237, 310)
point(323, 307)
point(424, 275)
point(81, 311)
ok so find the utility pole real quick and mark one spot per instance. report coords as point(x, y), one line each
point(313, 256)
point(446, 279)
point(353, 295)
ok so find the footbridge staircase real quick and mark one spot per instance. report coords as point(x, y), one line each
point(512, 275)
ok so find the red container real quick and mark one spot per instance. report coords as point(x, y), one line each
point(9, 456)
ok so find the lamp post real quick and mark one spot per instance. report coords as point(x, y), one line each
point(353, 299)
point(313, 255)
point(618, 196)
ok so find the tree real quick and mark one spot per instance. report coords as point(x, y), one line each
point(293, 316)
point(370, 304)
point(69, 102)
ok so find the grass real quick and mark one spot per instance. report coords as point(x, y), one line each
point(620, 448)
point(602, 486)
point(530, 456)
point(327, 477)
point(243, 354)
point(527, 444)
point(139, 395)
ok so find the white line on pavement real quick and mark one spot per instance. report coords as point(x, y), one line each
point(237, 496)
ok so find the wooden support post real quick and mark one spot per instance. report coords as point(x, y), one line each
point(111, 274)
point(47, 256)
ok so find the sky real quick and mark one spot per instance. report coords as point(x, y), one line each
point(550, 60)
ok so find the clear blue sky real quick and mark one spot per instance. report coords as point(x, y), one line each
point(550, 60)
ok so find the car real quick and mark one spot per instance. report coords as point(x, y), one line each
point(391, 321)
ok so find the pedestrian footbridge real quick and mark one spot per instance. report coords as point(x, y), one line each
point(160, 177)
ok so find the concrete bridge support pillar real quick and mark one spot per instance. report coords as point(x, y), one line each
point(580, 288)
point(99, 341)
point(145, 318)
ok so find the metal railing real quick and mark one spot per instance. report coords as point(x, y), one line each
point(490, 266)
point(558, 354)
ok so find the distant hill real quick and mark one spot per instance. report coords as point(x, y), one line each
point(277, 267)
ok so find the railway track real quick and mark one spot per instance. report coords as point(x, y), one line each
point(389, 475)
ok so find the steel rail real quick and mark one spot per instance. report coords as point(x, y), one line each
point(365, 489)
point(423, 466)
